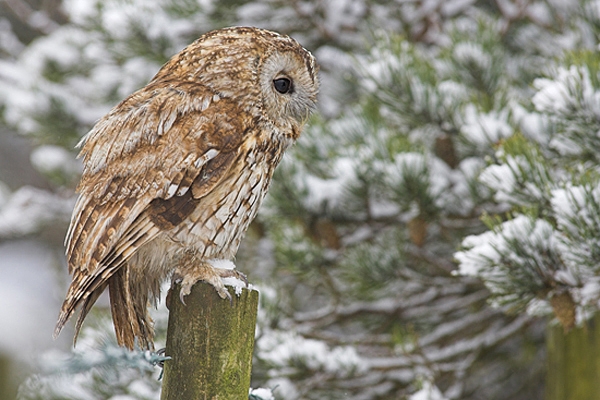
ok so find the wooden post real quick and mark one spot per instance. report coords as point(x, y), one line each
point(574, 362)
point(210, 342)
point(8, 388)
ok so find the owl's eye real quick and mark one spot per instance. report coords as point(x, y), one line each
point(283, 85)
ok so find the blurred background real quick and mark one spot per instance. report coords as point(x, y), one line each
point(437, 215)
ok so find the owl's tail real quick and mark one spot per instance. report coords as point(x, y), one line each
point(72, 301)
point(130, 314)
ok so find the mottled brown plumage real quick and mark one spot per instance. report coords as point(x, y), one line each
point(175, 173)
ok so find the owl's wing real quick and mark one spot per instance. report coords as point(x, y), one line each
point(146, 165)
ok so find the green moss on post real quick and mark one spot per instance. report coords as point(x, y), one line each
point(210, 342)
point(574, 362)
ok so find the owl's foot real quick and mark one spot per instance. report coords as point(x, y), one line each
point(203, 271)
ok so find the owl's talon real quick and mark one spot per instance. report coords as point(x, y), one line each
point(175, 279)
point(202, 271)
point(224, 294)
point(182, 293)
point(243, 277)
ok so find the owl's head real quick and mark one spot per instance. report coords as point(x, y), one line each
point(268, 74)
point(289, 82)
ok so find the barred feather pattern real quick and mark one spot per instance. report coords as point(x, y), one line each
point(181, 167)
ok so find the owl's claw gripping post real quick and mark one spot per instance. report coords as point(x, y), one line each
point(202, 271)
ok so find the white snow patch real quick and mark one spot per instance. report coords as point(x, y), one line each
point(234, 282)
point(485, 129)
point(331, 191)
point(533, 125)
point(81, 10)
point(469, 53)
point(452, 93)
point(261, 394)
point(539, 308)
point(30, 209)
point(471, 167)
point(285, 387)
point(50, 158)
point(237, 284)
point(589, 294)
point(501, 179)
point(487, 249)
point(566, 277)
point(222, 264)
point(381, 208)
point(570, 204)
point(429, 392)
point(570, 90)
point(29, 303)
point(285, 349)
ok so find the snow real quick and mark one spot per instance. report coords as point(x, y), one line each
point(539, 308)
point(333, 57)
point(234, 282)
point(453, 7)
point(237, 284)
point(540, 13)
point(574, 209)
point(9, 42)
point(571, 207)
point(329, 192)
point(378, 208)
point(471, 167)
point(589, 294)
point(81, 11)
point(261, 394)
point(451, 93)
point(411, 163)
point(50, 158)
point(545, 256)
point(29, 301)
point(428, 392)
point(222, 264)
point(501, 179)
point(485, 251)
point(411, 166)
point(533, 125)
point(566, 277)
point(288, 348)
point(285, 388)
point(135, 74)
point(469, 53)
point(485, 129)
point(571, 89)
point(29, 209)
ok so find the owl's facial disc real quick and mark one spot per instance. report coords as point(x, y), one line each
point(289, 86)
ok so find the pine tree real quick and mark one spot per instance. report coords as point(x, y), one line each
point(466, 126)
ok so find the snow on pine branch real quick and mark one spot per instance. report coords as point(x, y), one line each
point(544, 257)
point(527, 262)
point(288, 349)
point(516, 261)
point(571, 100)
point(30, 210)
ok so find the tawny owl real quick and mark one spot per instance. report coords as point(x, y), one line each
point(175, 173)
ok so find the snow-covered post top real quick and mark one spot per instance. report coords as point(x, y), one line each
point(210, 342)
